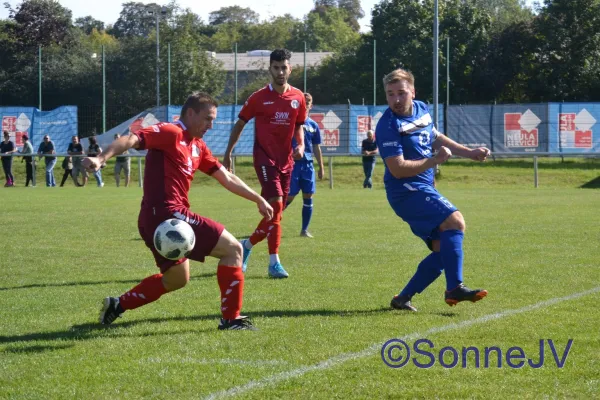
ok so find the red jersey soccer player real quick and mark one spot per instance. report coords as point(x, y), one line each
point(280, 111)
point(175, 152)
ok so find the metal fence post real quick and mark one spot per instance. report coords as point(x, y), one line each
point(535, 171)
point(330, 172)
point(233, 162)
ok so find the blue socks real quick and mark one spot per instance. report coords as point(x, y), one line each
point(449, 260)
point(428, 271)
point(307, 210)
point(451, 252)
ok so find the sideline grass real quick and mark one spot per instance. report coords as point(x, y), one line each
point(65, 249)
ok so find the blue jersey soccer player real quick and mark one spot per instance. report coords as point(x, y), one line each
point(303, 174)
point(406, 139)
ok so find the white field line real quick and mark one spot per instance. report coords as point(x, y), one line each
point(376, 347)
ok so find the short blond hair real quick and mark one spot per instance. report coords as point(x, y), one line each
point(398, 75)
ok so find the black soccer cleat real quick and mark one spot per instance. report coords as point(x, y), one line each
point(463, 293)
point(402, 303)
point(111, 310)
point(238, 324)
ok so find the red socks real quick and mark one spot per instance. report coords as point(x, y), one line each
point(149, 290)
point(231, 282)
point(270, 229)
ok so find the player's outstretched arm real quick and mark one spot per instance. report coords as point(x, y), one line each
point(117, 147)
point(235, 185)
point(236, 132)
point(478, 154)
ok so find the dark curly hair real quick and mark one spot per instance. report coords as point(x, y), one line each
point(280, 55)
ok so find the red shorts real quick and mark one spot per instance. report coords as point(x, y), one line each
point(207, 233)
point(273, 181)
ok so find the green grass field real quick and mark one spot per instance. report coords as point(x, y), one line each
point(535, 250)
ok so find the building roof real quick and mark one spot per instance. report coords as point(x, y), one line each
point(259, 59)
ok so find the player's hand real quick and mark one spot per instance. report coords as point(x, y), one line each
point(265, 209)
point(320, 174)
point(298, 153)
point(91, 164)
point(227, 162)
point(480, 154)
point(442, 155)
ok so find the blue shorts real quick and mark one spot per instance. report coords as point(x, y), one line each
point(303, 178)
point(424, 210)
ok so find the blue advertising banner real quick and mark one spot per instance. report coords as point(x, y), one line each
point(60, 124)
point(471, 126)
point(574, 127)
point(17, 122)
point(333, 121)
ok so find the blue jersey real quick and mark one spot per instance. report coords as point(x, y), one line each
point(312, 136)
point(410, 137)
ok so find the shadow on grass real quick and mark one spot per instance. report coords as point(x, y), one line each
point(593, 184)
point(91, 283)
point(36, 349)
point(95, 331)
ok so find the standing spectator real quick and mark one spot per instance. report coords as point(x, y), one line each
point(75, 148)
point(27, 149)
point(67, 165)
point(122, 163)
point(7, 147)
point(369, 149)
point(94, 150)
point(47, 147)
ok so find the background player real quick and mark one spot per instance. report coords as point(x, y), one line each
point(280, 111)
point(406, 139)
point(303, 174)
point(175, 152)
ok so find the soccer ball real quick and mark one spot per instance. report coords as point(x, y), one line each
point(174, 239)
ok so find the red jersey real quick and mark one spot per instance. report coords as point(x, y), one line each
point(277, 116)
point(173, 157)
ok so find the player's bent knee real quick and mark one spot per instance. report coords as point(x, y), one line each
point(228, 250)
point(455, 221)
point(176, 277)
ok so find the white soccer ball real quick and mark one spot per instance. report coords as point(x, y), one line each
point(174, 239)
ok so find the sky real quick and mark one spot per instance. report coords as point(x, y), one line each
point(108, 10)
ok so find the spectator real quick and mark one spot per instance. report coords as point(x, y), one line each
point(67, 165)
point(75, 148)
point(47, 147)
point(7, 147)
point(94, 150)
point(27, 149)
point(122, 163)
point(369, 149)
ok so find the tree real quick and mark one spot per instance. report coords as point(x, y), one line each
point(504, 13)
point(354, 12)
point(139, 19)
point(41, 22)
point(89, 23)
point(325, 31)
point(569, 50)
point(233, 14)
